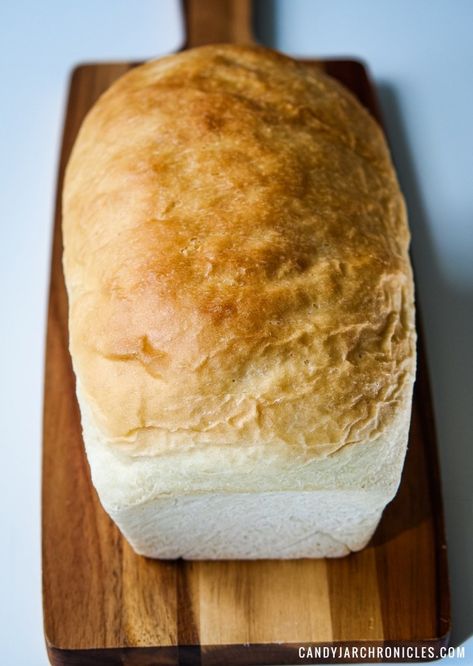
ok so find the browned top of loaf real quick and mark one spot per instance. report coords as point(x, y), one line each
point(236, 256)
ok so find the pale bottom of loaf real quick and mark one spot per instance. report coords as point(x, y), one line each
point(182, 504)
point(250, 526)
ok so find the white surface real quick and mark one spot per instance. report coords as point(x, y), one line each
point(422, 50)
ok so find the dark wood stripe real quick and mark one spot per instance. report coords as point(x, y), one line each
point(188, 633)
point(405, 551)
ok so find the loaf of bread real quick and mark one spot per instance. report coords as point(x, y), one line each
point(241, 309)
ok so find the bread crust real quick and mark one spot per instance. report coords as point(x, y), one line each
point(236, 259)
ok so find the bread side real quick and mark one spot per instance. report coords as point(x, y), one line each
point(219, 505)
point(252, 526)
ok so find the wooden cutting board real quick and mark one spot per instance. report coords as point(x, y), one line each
point(105, 605)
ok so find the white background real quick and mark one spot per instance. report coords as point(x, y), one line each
point(421, 55)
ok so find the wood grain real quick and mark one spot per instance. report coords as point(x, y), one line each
point(105, 605)
point(216, 21)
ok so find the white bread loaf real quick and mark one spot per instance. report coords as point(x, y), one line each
point(241, 309)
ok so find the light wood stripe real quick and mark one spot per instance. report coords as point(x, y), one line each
point(354, 594)
point(257, 602)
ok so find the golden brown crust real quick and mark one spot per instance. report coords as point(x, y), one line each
point(236, 256)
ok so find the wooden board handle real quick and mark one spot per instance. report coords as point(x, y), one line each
point(217, 21)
